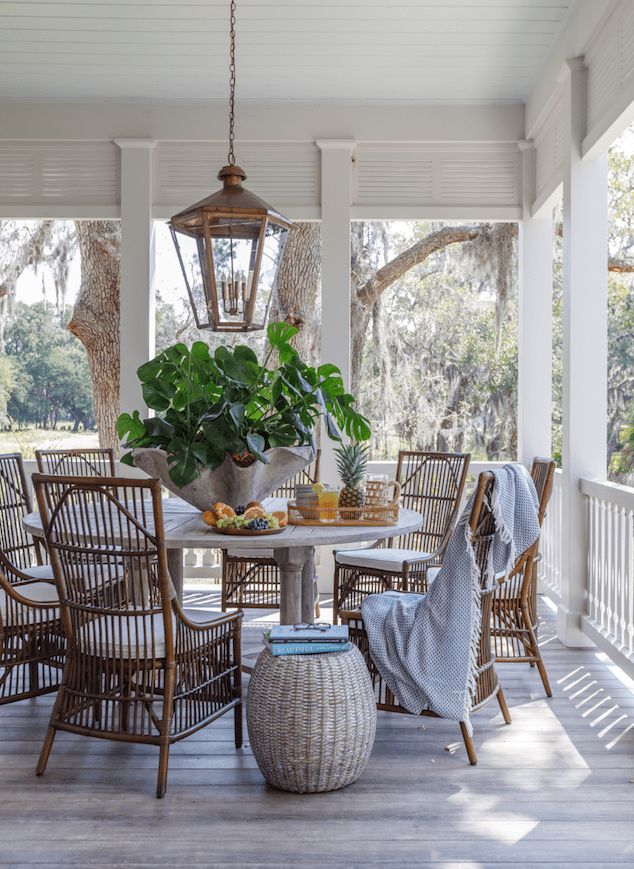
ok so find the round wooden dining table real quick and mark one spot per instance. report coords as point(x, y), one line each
point(293, 549)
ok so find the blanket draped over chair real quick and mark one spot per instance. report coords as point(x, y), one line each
point(425, 646)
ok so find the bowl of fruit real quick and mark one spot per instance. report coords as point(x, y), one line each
point(245, 521)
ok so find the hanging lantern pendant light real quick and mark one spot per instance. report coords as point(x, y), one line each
point(230, 244)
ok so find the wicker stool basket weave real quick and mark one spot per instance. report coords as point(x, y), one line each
point(311, 719)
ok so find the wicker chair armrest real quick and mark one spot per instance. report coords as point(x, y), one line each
point(350, 616)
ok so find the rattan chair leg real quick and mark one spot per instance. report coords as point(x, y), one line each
point(237, 725)
point(504, 706)
point(535, 651)
point(34, 680)
point(46, 750)
point(161, 784)
point(469, 744)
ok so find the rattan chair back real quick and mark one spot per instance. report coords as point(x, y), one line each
point(106, 534)
point(433, 485)
point(543, 474)
point(307, 476)
point(18, 550)
point(98, 462)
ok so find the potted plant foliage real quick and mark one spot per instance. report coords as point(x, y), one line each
point(229, 428)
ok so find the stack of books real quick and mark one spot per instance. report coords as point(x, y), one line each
point(307, 639)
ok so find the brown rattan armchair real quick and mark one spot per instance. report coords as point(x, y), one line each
point(482, 526)
point(514, 610)
point(31, 637)
point(432, 484)
point(138, 668)
point(254, 583)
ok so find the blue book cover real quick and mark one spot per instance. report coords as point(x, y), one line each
point(319, 633)
point(278, 649)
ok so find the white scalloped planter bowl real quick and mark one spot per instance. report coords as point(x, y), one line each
point(229, 483)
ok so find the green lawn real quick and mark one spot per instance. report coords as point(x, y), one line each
point(28, 440)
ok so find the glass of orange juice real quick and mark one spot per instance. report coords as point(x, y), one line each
point(328, 503)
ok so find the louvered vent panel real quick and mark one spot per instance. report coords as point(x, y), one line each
point(393, 177)
point(281, 174)
point(478, 181)
point(610, 62)
point(66, 173)
point(81, 173)
point(17, 173)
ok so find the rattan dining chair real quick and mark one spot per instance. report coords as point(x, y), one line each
point(482, 528)
point(139, 668)
point(432, 484)
point(250, 582)
point(514, 610)
point(97, 462)
point(31, 636)
point(22, 558)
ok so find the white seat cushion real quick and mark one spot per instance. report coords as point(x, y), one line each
point(132, 637)
point(38, 592)
point(40, 571)
point(379, 559)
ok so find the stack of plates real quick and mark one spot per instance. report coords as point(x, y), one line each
point(305, 497)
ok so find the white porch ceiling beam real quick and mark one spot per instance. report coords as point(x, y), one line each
point(275, 122)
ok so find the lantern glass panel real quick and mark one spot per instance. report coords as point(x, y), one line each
point(274, 240)
point(193, 261)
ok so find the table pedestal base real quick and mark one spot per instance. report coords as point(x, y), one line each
point(175, 567)
point(297, 584)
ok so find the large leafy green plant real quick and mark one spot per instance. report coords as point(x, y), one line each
point(210, 405)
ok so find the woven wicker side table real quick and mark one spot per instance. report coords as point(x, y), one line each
point(311, 719)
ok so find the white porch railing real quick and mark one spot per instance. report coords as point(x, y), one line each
point(549, 567)
point(610, 578)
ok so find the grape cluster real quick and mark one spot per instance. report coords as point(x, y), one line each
point(240, 510)
point(258, 524)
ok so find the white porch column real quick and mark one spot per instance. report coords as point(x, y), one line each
point(137, 266)
point(336, 195)
point(534, 390)
point(584, 345)
point(336, 198)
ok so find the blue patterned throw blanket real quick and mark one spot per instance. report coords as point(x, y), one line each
point(425, 646)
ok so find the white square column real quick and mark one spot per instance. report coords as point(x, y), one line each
point(336, 195)
point(585, 349)
point(336, 200)
point(137, 267)
point(534, 388)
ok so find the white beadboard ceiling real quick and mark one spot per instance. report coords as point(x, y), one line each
point(322, 50)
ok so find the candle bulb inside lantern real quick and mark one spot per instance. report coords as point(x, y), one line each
point(223, 284)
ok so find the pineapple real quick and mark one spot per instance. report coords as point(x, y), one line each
point(351, 462)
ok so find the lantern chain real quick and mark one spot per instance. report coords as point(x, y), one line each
point(232, 81)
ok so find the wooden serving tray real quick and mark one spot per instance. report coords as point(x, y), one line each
point(370, 514)
point(245, 532)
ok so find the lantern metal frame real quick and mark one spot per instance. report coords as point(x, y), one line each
point(202, 222)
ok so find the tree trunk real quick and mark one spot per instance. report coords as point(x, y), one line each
point(95, 319)
point(297, 297)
